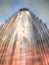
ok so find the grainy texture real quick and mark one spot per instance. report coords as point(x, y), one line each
point(24, 40)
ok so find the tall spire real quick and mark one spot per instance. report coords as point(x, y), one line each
point(24, 40)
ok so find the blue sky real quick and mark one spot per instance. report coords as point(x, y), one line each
point(38, 7)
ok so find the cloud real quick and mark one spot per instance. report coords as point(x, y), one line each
point(5, 7)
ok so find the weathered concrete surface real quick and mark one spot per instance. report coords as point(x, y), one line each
point(24, 40)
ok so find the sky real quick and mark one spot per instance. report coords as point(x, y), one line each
point(39, 7)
